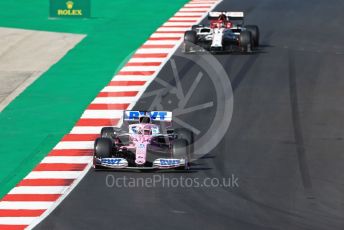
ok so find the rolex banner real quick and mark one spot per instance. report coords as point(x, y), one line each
point(70, 8)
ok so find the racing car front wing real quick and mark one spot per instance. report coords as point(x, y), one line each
point(122, 163)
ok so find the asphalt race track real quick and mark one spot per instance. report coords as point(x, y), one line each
point(284, 144)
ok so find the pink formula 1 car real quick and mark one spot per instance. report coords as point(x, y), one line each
point(144, 142)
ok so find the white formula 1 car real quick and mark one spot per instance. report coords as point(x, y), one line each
point(222, 34)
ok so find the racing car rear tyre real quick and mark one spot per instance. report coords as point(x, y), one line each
point(190, 38)
point(108, 132)
point(245, 40)
point(103, 147)
point(255, 34)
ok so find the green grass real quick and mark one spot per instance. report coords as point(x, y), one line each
point(37, 119)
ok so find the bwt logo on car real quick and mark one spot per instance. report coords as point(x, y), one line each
point(111, 161)
point(169, 162)
point(157, 115)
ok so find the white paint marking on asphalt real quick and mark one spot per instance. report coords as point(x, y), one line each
point(101, 114)
point(16, 220)
point(159, 42)
point(171, 29)
point(25, 205)
point(154, 50)
point(132, 78)
point(53, 175)
point(196, 10)
point(161, 35)
point(75, 144)
point(188, 14)
point(68, 159)
point(87, 129)
point(179, 24)
point(113, 100)
point(38, 190)
point(146, 59)
point(140, 68)
point(122, 88)
point(184, 18)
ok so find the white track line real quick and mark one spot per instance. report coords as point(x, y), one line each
point(17, 220)
point(38, 190)
point(184, 19)
point(193, 10)
point(131, 78)
point(188, 14)
point(25, 205)
point(199, 5)
point(86, 129)
point(147, 59)
point(163, 42)
point(156, 50)
point(112, 100)
point(122, 88)
point(68, 159)
point(160, 35)
point(179, 24)
point(111, 114)
point(75, 145)
point(168, 29)
point(140, 68)
point(53, 175)
point(116, 89)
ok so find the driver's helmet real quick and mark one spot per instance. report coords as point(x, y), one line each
point(147, 132)
point(223, 17)
point(144, 130)
point(144, 120)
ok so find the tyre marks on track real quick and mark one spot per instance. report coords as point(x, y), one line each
point(297, 127)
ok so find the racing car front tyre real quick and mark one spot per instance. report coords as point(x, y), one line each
point(255, 34)
point(103, 147)
point(190, 39)
point(186, 135)
point(180, 150)
point(245, 41)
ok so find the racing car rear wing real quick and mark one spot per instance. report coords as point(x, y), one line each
point(161, 116)
point(231, 15)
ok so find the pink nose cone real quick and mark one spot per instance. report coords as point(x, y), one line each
point(141, 150)
point(139, 162)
